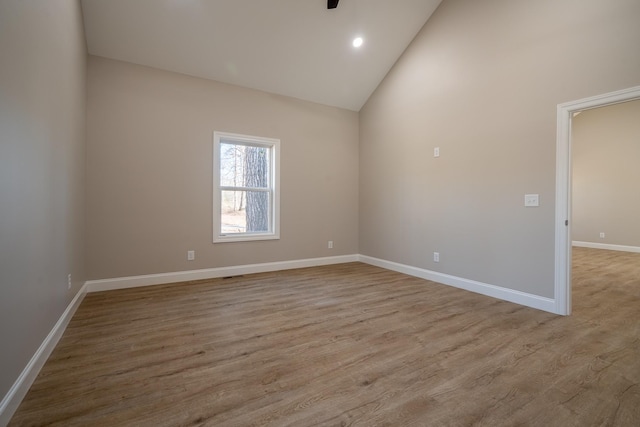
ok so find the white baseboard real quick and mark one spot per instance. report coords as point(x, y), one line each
point(16, 393)
point(522, 298)
point(211, 273)
point(606, 246)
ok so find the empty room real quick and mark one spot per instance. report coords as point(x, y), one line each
point(319, 213)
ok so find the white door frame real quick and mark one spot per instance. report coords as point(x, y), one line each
point(566, 111)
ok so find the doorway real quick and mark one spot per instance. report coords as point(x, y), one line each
point(565, 113)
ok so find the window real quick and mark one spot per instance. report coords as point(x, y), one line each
point(245, 184)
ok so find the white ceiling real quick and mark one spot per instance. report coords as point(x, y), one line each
point(296, 48)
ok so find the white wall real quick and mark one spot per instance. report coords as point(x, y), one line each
point(42, 132)
point(482, 81)
point(149, 172)
point(605, 145)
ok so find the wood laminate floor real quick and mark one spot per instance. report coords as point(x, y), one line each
point(349, 344)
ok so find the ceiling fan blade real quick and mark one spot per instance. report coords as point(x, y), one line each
point(332, 4)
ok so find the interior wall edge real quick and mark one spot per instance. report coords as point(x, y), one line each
point(19, 389)
point(211, 273)
point(606, 246)
point(506, 294)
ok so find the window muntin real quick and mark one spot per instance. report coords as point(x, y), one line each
point(246, 181)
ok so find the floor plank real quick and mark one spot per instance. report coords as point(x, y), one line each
point(350, 344)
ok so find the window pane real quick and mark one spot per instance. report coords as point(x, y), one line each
point(246, 185)
point(256, 167)
point(232, 165)
point(244, 212)
point(233, 218)
point(244, 166)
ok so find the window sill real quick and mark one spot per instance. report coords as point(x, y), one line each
point(230, 238)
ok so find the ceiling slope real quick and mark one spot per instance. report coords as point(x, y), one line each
point(296, 48)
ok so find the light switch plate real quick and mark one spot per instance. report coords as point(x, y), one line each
point(531, 200)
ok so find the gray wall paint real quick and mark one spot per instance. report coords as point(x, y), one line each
point(42, 130)
point(482, 81)
point(149, 171)
point(606, 175)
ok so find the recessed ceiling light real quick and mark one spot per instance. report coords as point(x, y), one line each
point(357, 42)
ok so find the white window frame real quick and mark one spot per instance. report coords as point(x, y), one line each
point(273, 189)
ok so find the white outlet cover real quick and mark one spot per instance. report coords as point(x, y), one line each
point(531, 200)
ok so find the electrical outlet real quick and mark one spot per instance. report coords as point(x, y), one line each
point(602, 235)
point(330, 244)
point(436, 152)
point(191, 255)
point(69, 281)
point(436, 257)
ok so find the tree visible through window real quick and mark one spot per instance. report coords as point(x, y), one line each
point(246, 188)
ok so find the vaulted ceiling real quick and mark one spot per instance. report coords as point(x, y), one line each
point(296, 48)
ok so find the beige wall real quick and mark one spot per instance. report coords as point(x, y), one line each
point(606, 175)
point(42, 130)
point(482, 81)
point(149, 172)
